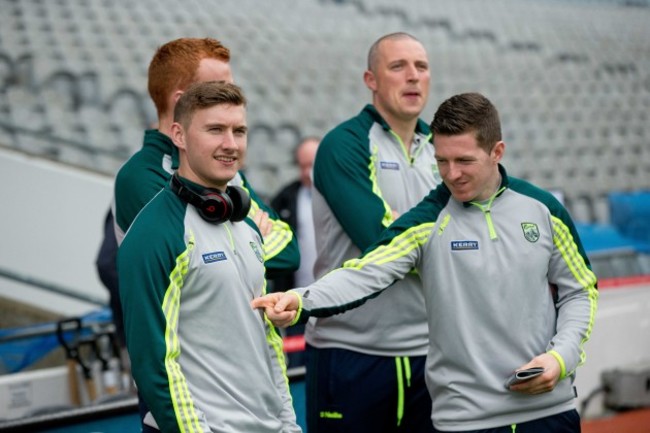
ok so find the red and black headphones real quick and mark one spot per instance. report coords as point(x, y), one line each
point(215, 206)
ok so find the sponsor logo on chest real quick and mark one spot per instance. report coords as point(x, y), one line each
point(389, 165)
point(464, 245)
point(215, 256)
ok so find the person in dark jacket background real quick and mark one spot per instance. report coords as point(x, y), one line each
point(293, 205)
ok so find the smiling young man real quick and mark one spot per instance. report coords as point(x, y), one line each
point(366, 374)
point(507, 285)
point(188, 268)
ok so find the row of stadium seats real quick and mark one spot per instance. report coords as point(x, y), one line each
point(570, 78)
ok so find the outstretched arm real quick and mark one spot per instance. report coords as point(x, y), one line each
point(358, 281)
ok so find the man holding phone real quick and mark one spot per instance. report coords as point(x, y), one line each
point(507, 285)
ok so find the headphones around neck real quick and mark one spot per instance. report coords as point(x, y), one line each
point(215, 206)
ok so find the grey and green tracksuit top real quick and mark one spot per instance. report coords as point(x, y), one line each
point(149, 170)
point(202, 359)
point(504, 281)
point(362, 173)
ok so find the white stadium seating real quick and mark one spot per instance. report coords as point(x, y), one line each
point(571, 78)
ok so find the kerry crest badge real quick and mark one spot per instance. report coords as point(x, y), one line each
point(257, 252)
point(531, 231)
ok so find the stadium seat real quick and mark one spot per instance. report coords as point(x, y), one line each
point(559, 71)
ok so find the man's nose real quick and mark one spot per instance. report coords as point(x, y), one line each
point(453, 171)
point(229, 139)
point(412, 73)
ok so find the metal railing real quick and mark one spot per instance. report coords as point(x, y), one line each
point(50, 287)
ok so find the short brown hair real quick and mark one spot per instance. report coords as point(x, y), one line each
point(205, 95)
point(468, 112)
point(175, 64)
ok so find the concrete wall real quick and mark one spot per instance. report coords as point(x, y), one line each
point(620, 339)
point(51, 222)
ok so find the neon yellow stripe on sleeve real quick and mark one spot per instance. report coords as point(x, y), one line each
point(400, 246)
point(564, 242)
point(372, 167)
point(276, 241)
point(178, 389)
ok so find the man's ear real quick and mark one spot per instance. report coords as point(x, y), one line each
point(498, 151)
point(178, 135)
point(176, 96)
point(369, 79)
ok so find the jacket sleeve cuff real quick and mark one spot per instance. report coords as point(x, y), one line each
point(299, 311)
point(560, 361)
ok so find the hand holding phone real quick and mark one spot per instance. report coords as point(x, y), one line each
point(523, 375)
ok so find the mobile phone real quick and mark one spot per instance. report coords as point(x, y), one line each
point(523, 375)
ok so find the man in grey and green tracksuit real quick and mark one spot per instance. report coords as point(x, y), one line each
point(507, 285)
point(357, 186)
point(202, 360)
point(365, 374)
point(195, 366)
